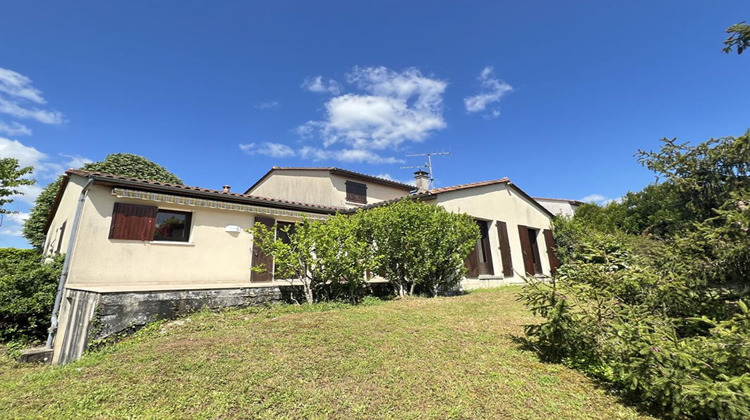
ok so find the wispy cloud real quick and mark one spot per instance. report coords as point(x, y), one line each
point(319, 85)
point(390, 178)
point(75, 161)
point(268, 105)
point(280, 151)
point(45, 166)
point(276, 150)
point(19, 86)
point(599, 199)
point(14, 129)
point(12, 224)
point(20, 99)
point(491, 90)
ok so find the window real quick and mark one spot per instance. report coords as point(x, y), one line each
point(284, 230)
point(172, 226)
point(356, 192)
point(148, 223)
point(480, 260)
point(60, 237)
point(530, 248)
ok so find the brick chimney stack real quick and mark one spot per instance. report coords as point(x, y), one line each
point(227, 188)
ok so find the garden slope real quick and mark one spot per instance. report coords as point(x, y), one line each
point(416, 358)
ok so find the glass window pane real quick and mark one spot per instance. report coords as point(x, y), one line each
point(172, 226)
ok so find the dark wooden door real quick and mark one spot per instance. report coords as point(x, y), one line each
point(535, 251)
point(528, 259)
point(260, 259)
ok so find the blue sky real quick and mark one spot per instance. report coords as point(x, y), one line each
point(558, 96)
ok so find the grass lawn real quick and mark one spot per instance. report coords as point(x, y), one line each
point(416, 358)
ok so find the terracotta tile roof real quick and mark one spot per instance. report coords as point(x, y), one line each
point(215, 194)
point(334, 170)
point(426, 195)
point(465, 186)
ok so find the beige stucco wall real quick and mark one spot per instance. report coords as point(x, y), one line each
point(212, 257)
point(65, 213)
point(558, 207)
point(320, 187)
point(500, 202)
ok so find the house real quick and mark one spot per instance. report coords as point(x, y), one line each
point(559, 206)
point(139, 250)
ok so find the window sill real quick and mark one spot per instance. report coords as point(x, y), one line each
point(354, 203)
point(176, 243)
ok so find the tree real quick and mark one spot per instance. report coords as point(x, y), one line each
point(11, 177)
point(122, 164)
point(318, 254)
point(420, 246)
point(697, 180)
point(739, 37)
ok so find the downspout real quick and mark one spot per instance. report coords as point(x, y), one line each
point(66, 263)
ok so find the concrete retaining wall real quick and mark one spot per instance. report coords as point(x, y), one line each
point(89, 316)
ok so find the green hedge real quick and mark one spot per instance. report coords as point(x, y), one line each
point(27, 294)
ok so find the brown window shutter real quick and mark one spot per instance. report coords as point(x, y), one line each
point(259, 258)
point(356, 192)
point(60, 237)
point(133, 222)
point(502, 234)
point(528, 259)
point(549, 239)
point(471, 263)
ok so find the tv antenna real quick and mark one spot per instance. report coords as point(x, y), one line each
point(427, 165)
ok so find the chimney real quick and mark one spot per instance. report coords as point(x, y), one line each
point(226, 188)
point(422, 179)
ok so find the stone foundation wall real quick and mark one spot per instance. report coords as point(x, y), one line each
point(92, 317)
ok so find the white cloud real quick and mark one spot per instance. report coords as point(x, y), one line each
point(345, 155)
point(318, 85)
point(30, 193)
point(19, 98)
point(276, 150)
point(12, 224)
point(599, 199)
point(19, 86)
point(358, 155)
point(396, 108)
point(390, 178)
point(44, 166)
point(40, 115)
point(26, 155)
point(75, 161)
point(14, 129)
point(268, 105)
point(491, 91)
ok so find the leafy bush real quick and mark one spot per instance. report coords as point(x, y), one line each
point(611, 314)
point(417, 247)
point(662, 315)
point(27, 294)
point(420, 247)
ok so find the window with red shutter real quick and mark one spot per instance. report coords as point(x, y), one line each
point(133, 222)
